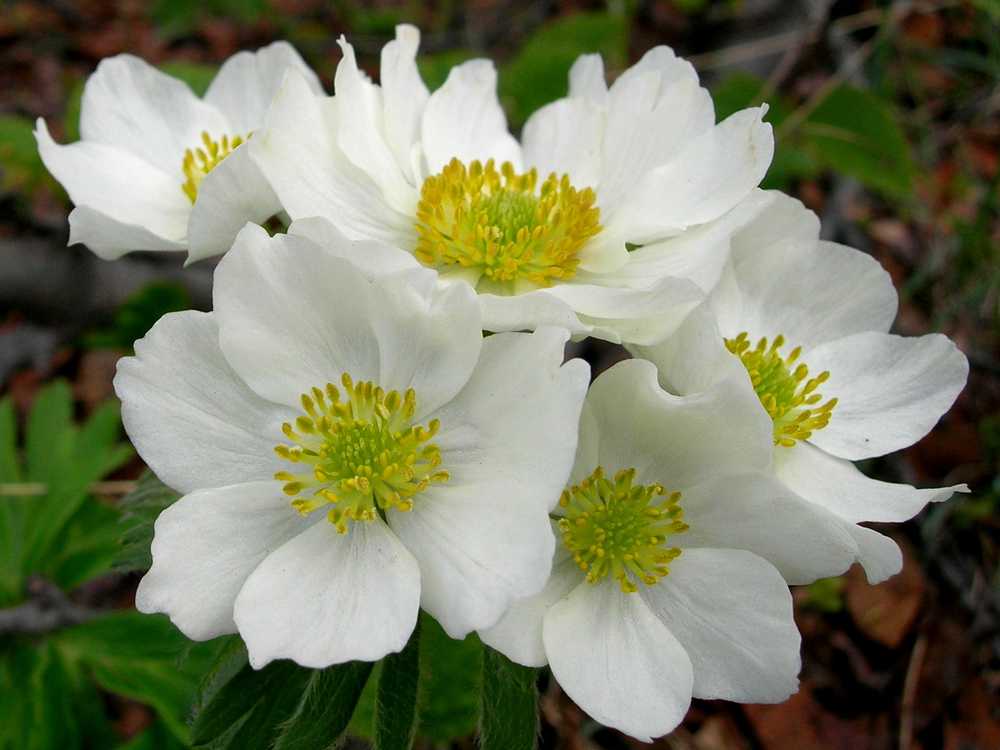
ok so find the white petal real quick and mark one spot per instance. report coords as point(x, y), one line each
point(404, 95)
point(618, 661)
point(373, 259)
point(638, 316)
point(838, 486)
point(124, 188)
point(891, 389)
point(190, 417)
point(755, 512)
point(674, 440)
point(463, 119)
point(790, 283)
point(297, 152)
point(732, 613)
point(565, 137)
point(429, 339)
point(655, 109)
point(361, 132)
point(326, 598)
point(293, 316)
point(515, 422)
point(206, 545)
point(699, 254)
point(129, 104)
point(247, 82)
point(232, 194)
point(694, 359)
point(709, 177)
point(525, 312)
point(110, 239)
point(586, 80)
point(480, 545)
point(880, 556)
point(518, 634)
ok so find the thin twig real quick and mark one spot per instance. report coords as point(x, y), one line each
point(37, 489)
point(910, 692)
point(49, 609)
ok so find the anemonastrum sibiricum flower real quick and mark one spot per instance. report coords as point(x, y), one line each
point(668, 580)
point(807, 322)
point(158, 168)
point(541, 229)
point(350, 448)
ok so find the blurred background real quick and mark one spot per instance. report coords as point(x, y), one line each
point(887, 118)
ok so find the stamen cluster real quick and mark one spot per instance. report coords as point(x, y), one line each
point(788, 396)
point(498, 227)
point(360, 454)
point(198, 162)
point(618, 529)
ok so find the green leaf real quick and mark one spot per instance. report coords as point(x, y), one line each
point(434, 68)
point(509, 719)
point(282, 705)
point(140, 509)
point(538, 73)
point(856, 133)
point(142, 657)
point(21, 171)
point(138, 314)
point(396, 698)
point(325, 711)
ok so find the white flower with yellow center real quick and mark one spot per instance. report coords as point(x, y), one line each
point(667, 583)
point(350, 448)
point(808, 321)
point(158, 168)
point(542, 229)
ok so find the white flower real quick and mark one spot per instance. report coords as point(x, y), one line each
point(416, 461)
point(809, 320)
point(667, 582)
point(539, 229)
point(157, 168)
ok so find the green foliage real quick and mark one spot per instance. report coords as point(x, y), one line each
point(138, 314)
point(62, 533)
point(434, 68)
point(139, 510)
point(21, 171)
point(195, 75)
point(538, 73)
point(850, 131)
point(396, 697)
point(283, 705)
point(177, 18)
point(509, 718)
point(826, 595)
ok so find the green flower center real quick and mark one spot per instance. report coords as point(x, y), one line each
point(360, 455)
point(785, 389)
point(201, 160)
point(619, 529)
point(502, 231)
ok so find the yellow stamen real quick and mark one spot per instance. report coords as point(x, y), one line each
point(201, 160)
point(615, 528)
point(501, 233)
point(362, 456)
point(785, 389)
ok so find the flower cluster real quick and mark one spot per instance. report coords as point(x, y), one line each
point(352, 448)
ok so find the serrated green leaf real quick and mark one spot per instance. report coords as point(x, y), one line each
point(538, 74)
point(856, 133)
point(396, 697)
point(140, 509)
point(509, 718)
point(143, 657)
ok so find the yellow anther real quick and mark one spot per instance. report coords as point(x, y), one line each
point(201, 160)
point(785, 393)
point(616, 528)
point(362, 453)
point(504, 231)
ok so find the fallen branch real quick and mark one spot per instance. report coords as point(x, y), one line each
point(47, 610)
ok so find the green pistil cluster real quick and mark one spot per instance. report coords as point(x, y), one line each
point(618, 529)
point(361, 454)
point(785, 389)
